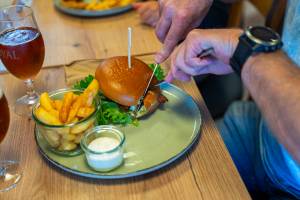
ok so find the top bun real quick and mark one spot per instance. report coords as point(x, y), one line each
point(122, 84)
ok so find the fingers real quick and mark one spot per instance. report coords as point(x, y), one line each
point(143, 7)
point(177, 30)
point(175, 71)
point(170, 43)
point(217, 67)
point(196, 69)
point(180, 75)
point(161, 5)
point(185, 61)
point(172, 75)
point(169, 78)
point(182, 70)
point(152, 21)
point(163, 25)
point(147, 16)
point(177, 18)
point(148, 12)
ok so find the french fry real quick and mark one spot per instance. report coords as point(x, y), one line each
point(75, 97)
point(68, 110)
point(46, 102)
point(91, 5)
point(63, 131)
point(47, 117)
point(90, 92)
point(71, 109)
point(69, 137)
point(78, 138)
point(79, 128)
point(57, 104)
point(54, 113)
point(66, 105)
point(67, 146)
point(95, 4)
point(125, 2)
point(93, 87)
point(89, 99)
point(76, 5)
point(85, 111)
point(75, 120)
point(52, 137)
point(74, 109)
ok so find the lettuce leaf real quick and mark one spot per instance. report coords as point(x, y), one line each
point(159, 72)
point(83, 84)
point(112, 114)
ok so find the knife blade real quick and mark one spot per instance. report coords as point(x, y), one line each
point(141, 99)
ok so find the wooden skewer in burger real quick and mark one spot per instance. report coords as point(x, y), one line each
point(125, 85)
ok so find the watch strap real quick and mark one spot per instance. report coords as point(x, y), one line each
point(243, 51)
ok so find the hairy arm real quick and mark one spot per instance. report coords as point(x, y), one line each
point(274, 82)
point(272, 79)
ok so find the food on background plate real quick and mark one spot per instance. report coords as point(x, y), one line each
point(114, 109)
point(65, 120)
point(75, 4)
point(95, 4)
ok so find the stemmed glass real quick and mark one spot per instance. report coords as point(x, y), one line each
point(9, 171)
point(22, 50)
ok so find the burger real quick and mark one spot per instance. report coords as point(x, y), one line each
point(125, 85)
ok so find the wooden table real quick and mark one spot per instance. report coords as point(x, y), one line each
point(79, 38)
point(206, 172)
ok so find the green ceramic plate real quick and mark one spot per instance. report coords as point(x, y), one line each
point(89, 13)
point(159, 139)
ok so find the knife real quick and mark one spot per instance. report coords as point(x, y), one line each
point(206, 52)
point(141, 99)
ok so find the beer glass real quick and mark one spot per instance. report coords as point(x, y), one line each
point(9, 174)
point(22, 50)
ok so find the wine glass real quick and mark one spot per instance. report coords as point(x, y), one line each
point(9, 171)
point(22, 50)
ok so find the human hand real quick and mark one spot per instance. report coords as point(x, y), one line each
point(148, 11)
point(176, 19)
point(186, 63)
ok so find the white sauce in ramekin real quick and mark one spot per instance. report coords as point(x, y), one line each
point(107, 157)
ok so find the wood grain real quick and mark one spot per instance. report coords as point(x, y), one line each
point(70, 38)
point(206, 172)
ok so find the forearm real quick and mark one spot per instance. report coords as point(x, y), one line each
point(274, 83)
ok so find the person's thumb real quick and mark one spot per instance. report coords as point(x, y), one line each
point(162, 55)
point(169, 78)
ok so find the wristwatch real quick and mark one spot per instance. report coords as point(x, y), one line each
point(254, 40)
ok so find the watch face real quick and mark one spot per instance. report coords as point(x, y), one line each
point(264, 34)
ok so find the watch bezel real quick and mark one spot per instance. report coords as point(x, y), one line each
point(259, 41)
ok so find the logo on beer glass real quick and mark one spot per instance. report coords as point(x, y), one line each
point(11, 55)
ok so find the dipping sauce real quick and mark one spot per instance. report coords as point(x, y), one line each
point(105, 161)
point(103, 148)
point(103, 144)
